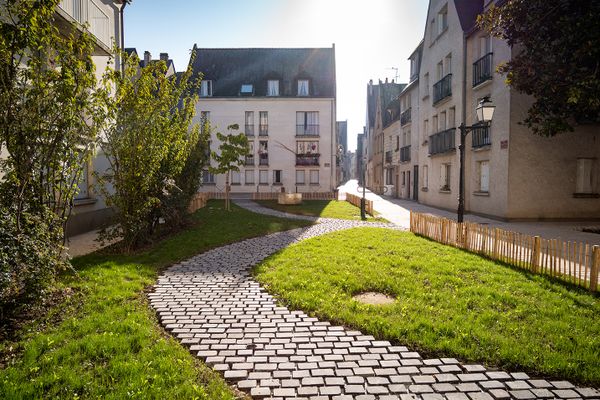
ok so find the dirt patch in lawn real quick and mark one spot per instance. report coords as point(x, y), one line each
point(374, 298)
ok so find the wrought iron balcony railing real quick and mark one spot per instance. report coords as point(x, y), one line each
point(481, 136)
point(482, 69)
point(442, 88)
point(307, 159)
point(405, 154)
point(405, 117)
point(442, 142)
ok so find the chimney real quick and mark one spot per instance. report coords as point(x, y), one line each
point(392, 81)
point(164, 57)
point(386, 81)
point(147, 58)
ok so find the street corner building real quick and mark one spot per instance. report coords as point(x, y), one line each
point(284, 101)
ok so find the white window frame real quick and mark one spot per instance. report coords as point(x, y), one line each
point(300, 174)
point(247, 88)
point(273, 87)
point(211, 177)
point(484, 176)
point(206, 88)
point(314, 176)
point(275, 180)
point(249, 173)
point(236, 177)
point(263, 176)
point(303, 87)
point(445, 177)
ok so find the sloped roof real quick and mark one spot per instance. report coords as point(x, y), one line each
point(230, 68)
point(468, 10)
point(390, 105)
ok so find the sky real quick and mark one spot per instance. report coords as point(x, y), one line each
point(372, 37)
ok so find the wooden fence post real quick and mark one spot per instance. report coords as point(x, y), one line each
point(595, 268)
point(496, 244)
point(535, 254)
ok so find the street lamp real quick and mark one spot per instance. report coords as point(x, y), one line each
point(363, 200)
point(485, 112)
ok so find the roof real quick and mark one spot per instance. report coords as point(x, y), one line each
point(468, 10)
point(230, 68)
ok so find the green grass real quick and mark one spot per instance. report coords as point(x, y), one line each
point(108, 343)
point(448, 302)
point(320, 208)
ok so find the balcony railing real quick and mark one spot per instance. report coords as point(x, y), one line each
point(405, 154)
point(388, 156)
point(405, 117)
point(263, 130)
point(482, 69)
point(263, 159)
point(481, 136)
point(249, 130)
point(84, 11)
point(442, 142)
point(249, 160)
point(307, 130)
point(307, 159)
point(442, 88)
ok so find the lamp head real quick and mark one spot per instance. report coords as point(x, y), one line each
point(485, 110)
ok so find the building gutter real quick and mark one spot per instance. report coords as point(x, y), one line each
point(122, 44)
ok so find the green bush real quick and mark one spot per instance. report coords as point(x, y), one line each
point(29, 259)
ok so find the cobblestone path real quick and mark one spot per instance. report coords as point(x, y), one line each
point(212, 305)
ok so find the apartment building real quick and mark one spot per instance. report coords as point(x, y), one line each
point(284, 100)
point(147, 60)
point(104, 19)
point(510, 173)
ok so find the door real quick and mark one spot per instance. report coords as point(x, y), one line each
point(408, 184)
point(416, 183)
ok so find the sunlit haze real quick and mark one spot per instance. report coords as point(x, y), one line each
point(371, 37)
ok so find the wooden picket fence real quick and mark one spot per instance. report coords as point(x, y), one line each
point(574, 262)
point(355, 200)
point(198, 201)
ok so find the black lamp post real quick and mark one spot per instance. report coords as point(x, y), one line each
point(363, 214)
point(485, 112)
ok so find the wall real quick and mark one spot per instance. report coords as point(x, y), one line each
point(282, 131)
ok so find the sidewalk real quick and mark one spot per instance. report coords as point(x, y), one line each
point(398, 211)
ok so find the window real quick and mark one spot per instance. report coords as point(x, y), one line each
point(206, 88)
point(389, 179)
point(585, 176)
point(484, 176)
point(277, 177)
point(273, 88)
point(442, 121)
point(425, 176)
point(303, 147)
point(249, 127)
point(434, 126)
point(208, 178)
point(442, 20)
point(263, 177)
point(448, 64)
point(451, 118)
point(485, 45)
point(299, 177)
point(249, 177)
point(263, 123)
point(263, 152)
point(307, 123)
point(397, 143)
point(405, 138)
point(235, 177)
point(445, 177)
point(83, 185)
point(247, 89)
point(425, 130)
point(314, 177)
point(440, 70)
point(403, 178)
point(426, 85)
point(303, 87)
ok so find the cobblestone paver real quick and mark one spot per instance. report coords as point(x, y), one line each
point(211, 304)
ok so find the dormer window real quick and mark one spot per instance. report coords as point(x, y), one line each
point(247, 89)
point(273, 88)
point(206, 88)
point(303, 87)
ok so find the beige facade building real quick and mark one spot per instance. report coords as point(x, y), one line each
point(509, 172)
point(284, 101)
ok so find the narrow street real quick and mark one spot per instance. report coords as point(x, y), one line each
point(398, 211)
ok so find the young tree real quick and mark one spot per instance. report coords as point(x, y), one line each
point(556, 59)
point(49, 114)
point(232, 149)
point(148, 138)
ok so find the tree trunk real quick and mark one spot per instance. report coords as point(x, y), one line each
point(227, 206)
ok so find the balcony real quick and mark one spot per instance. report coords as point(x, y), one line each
point(442, 88)
point(388, 157)
point(86, 11)
point(307, 159)
point(442, 142)
point(405, 117)
point(481, 136)
point(263, 130)
point(263, 159)
point(249, 160)
point(405, 154)
point(249, 130)
point(307, 130)
point(482, 69)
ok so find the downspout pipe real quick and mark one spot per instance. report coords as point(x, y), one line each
point(464, 91)
point(122, 44)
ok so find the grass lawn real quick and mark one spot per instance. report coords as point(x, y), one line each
point(448, 302)
point(320, 208)
point(108, 343)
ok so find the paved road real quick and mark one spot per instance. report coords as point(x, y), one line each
point(397, 211)
point(211, 304)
